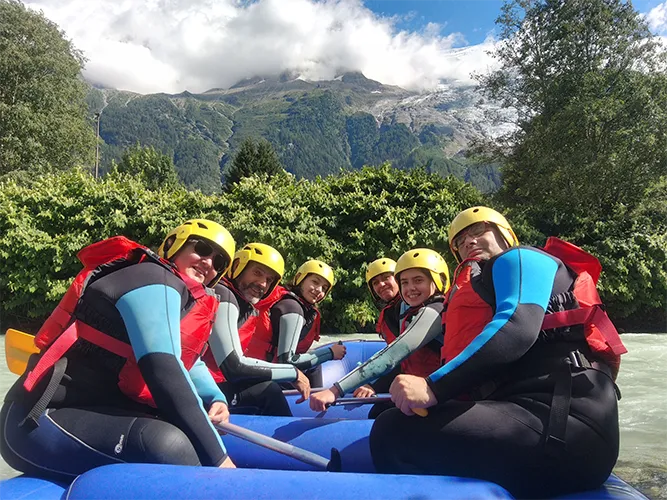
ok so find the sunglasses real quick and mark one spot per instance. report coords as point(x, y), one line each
point(204, 249)
point(474, 231)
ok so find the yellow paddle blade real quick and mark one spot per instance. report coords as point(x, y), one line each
point(18, 348)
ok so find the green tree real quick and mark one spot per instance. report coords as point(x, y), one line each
point(587, 80)
point(253, 158)
point(154, 169)
point(198, 164)
point(363, 134)
point(43, 122)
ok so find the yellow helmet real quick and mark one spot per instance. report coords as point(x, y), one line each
point(376, 268)
point(264, 254)
point(204, 229)
point(425, 258)
point(473, 215)
point(315, 267)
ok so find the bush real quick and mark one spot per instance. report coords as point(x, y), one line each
point(346, 220)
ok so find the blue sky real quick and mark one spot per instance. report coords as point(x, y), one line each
point(473, 18)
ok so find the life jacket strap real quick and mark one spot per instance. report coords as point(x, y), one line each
point(554, 442)
point(31, 420)
point(62, 344)
point(587, 315)
point(49, 358)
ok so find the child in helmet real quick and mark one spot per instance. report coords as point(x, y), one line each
point(382, 284)
point(423, 278)
point(292, 323)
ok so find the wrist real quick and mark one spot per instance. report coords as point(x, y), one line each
point(433, 388)
point(218, 400)
point(337, 390)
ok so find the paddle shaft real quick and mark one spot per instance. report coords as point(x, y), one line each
point(270, 443)
point(422, 412)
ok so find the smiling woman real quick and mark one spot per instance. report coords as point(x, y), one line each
point(199, 248)
point(119, 364)
point(424, 278)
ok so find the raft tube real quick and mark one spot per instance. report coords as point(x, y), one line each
point(324, 376)
point(267, 474)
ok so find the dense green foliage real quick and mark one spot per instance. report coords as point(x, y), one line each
point(253, 158)
point(154, 169)
point(589, 156)
point(346, 220)
point(193, 133)
point(590, 86)
point(43, 121)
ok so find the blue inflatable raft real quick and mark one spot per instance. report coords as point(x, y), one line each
point(265, 474)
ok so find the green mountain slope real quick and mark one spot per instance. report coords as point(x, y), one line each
point(317, 128)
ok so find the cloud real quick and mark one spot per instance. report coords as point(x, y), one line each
point(657, 19)
point(176, 45)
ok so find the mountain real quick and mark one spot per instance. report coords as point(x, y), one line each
point(317, 127)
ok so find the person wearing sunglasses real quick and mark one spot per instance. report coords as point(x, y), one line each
point(525, 396)
point(290, 325)
point(251, 385)
point(119, 377)
point(423, 277)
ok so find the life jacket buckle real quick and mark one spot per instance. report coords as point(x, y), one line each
point(578, 361)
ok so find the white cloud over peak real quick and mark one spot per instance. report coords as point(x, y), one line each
point(657, 19)
point(176, 45)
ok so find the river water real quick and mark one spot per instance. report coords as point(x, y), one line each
point(643, 413)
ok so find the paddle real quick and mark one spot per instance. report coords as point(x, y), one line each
point(305, 456)
point(18, 348)
point(422, 412)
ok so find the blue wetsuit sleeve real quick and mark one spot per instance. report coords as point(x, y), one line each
point(522, 280)
point(206, 387)
point(151, 315)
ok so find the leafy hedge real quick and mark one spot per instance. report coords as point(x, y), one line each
point(345, 220)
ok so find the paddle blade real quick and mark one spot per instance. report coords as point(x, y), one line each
point(18, 348)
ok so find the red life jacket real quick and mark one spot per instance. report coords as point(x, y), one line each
point(601, 335)
point(423, 361)
point(246, 331)
point(382, 326)
point(261, 345)
point(60, 331)
point(468, 313)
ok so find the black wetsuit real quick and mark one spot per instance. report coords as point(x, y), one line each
point(251, 386)
point(511, 384)
point(89, 421)
point(291, 322)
